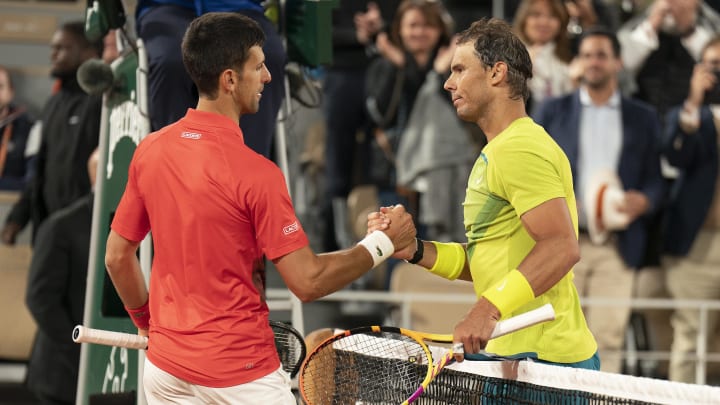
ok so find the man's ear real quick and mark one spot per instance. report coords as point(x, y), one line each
point(498, 72)
point(227, 79)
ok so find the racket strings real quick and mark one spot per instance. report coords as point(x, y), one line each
point(378, 367)
point(290, 347)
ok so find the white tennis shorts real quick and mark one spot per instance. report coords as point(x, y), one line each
point(163, 388)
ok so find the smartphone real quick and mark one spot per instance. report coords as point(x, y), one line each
point(712, 96)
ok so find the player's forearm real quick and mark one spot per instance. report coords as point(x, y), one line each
point(449, 261)
point(124, 271)
point(549, 261)
point(310, 276)
point(338, 269)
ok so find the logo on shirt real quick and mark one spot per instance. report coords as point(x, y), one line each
point(287, 230)
point(190, 135)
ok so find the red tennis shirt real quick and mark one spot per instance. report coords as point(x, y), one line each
point(214, 207)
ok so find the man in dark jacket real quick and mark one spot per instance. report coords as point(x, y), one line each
point(692, 236)
point(71, 127)
point(56, 297)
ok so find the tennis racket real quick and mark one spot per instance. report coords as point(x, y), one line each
point(380, 364)
point(289, 342)
point(290, 346)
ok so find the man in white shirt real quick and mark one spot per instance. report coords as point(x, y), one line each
point(600, 130)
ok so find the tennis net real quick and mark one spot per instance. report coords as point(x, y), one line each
point(517, 382)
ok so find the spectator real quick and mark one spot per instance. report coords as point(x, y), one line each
point(56, 297)
point(585, 14)
point(216, 208)
point(430, 157)
point(662, 45)
point(660, 49)
point(161, 25)
point(355, 26)
point(692, 237)
point(15, 164)
point(70, 131)
point(601, 130)
point(542, 26)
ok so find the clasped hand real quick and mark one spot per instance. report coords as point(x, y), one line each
point(398, 225)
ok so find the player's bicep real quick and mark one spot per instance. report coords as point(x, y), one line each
point(548, 220)
point(119, 248)
point(296, 268)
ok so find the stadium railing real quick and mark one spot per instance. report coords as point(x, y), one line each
point(278, 300)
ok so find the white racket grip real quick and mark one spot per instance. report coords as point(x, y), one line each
point(530, 318)
point(82, 334)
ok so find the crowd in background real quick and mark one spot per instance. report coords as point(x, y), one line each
point(642, 102)
point(613, 107)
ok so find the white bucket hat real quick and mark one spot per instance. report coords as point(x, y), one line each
point(604, 196)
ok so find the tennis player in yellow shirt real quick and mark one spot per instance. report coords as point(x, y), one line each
point(520, 212)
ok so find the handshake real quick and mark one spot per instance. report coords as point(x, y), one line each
point(398, 225)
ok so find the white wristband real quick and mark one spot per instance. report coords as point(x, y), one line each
point(379, 245)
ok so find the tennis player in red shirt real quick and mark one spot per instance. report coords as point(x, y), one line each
point(215, 209)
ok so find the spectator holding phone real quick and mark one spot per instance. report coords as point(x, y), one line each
point(661, 46)
point(692, 237)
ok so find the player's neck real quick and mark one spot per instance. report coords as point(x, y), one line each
point(218, 107)
point(499, 116)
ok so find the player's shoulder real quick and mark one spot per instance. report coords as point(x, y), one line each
point(145, 144)
point(250, 166)
point(525, 140)
point(151, 140)
point(524, 133)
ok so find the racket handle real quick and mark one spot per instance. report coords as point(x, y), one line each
point(82, 334)
point(527, 319)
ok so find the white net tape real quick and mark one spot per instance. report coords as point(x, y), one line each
point(609, 384)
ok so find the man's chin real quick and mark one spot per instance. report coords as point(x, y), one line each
point(465, 117)
point(251, 110)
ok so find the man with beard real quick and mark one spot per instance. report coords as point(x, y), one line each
point(600, 130)
point(71, 126)
point(519, 210)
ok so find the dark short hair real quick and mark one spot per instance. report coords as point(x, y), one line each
point(217, 41)
point(602, 32)
point(495, 42)
point(77, 30)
